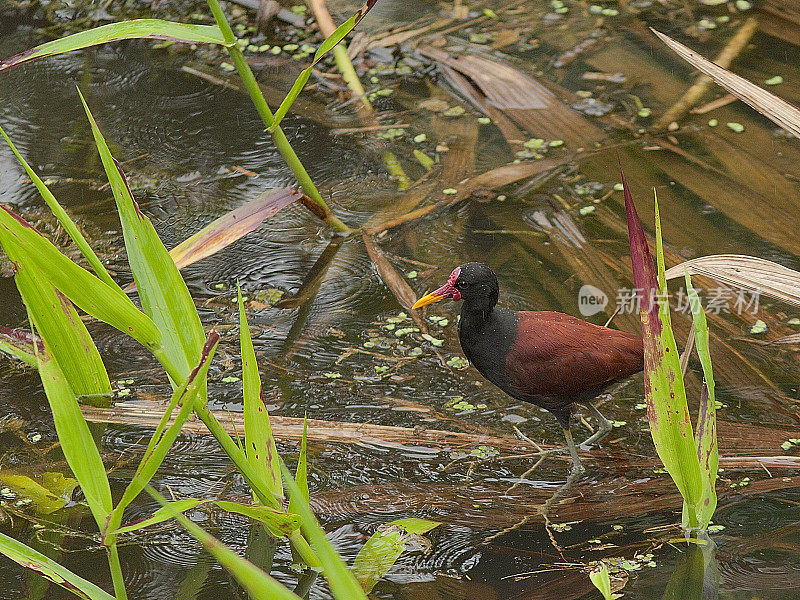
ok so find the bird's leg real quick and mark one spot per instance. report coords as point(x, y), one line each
point(604, 426)
point(577, 467)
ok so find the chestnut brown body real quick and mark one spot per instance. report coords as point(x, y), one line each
point(549, 359)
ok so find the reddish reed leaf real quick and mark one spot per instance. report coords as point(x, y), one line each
point(20, 344)
point(232, 225)
point(667, 410)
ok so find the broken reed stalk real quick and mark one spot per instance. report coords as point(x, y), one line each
point(284, 147)
point(693, 95)
point(348, 73)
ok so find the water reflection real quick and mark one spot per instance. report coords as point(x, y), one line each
point(697, 575)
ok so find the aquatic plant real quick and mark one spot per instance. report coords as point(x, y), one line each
point(168, 325)
point(691, 460)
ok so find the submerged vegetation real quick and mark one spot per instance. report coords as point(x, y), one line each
point(476, 477)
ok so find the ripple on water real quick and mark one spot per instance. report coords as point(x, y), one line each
point(760, 572)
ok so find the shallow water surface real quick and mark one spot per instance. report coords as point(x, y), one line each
point(331, 353)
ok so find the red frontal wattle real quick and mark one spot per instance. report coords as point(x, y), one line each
point(451, 283)
point(449, 290)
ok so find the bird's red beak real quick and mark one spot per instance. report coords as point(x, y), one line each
point(448, 290)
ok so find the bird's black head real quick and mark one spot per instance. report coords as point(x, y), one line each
point(473, 282)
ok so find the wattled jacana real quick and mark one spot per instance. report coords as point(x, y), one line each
point(546, 358)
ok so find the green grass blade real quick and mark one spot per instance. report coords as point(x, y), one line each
point(301, 474)
point(162, 514)
point(330, 42)
point(277, 522)
point(287, 102)
point(258, 584)
point(341, 580)
point(66, 222)
point(384, 547)
point(153, 29)
point(260, 447)
point(55, 319)
point(162, 291)
point(707, 448)
point(186, 395)
point(36, 561)
point(20, 344)
point(667, 410)
point(77, 442)
point(88, 292)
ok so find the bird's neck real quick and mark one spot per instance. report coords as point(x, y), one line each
point(475, 314)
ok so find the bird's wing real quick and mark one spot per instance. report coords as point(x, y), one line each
point(560, 355)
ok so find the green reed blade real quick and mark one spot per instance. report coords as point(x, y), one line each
point(258, 584)
point(341, 580)
point(277, 522)
point(231, 226)
point(36, 561)
point(153, 29)
point(186, 394)
point(301, 474)
point(60, 326)
point(330, 42)
point(667, 410)
point(707, 448)
point(19, 344)
point(66, 222)
point(260, 447)
point(162, 514)
point(76, 440)
point(89, 293)
point(162, 291)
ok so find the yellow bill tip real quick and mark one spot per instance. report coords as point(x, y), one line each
point(427, 299)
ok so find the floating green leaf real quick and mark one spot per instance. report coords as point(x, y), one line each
point(46, 497)
point(384, 547)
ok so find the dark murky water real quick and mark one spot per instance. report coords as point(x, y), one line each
point(182, 137)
